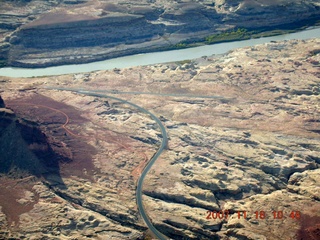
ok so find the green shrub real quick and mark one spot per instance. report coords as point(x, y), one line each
point(235, 34)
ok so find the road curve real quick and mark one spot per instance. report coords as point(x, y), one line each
point(163, 145)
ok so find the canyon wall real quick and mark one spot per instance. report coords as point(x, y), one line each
point(55, 33)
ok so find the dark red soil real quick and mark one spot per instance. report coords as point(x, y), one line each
point(12, 190)
point(310, 228)
point(63, 126)
point(66, 131)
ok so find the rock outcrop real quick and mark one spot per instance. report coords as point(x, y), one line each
point(24, 148)
point(243, 143)
point(255, 14)
point(70, 42)
point(54, 33)
point(2, 105)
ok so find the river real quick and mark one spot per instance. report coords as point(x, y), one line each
point(154, 57)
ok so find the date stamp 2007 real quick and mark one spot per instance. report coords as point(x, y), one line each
point(225, 214)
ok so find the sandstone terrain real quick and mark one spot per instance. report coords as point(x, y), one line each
point(43, 33)
point(243, 134)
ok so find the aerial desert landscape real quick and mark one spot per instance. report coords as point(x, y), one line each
point(42, 33)
point(233, 138)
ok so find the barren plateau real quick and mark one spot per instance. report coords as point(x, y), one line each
point(243, 133)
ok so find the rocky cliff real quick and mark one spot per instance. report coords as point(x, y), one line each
point(59, 32)
point(267, 14)
point(24, 148)
point(72, 41)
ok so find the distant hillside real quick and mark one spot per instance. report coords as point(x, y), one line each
point(37, 34)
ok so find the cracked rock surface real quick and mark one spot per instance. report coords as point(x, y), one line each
point(244, 140)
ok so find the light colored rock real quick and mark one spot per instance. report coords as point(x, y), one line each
point(256, 148)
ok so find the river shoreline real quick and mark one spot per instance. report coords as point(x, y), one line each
point(158, 44)
point(160, 56)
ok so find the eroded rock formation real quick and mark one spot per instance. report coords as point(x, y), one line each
point(59, 32)
point(243, 134)
point(24, 148)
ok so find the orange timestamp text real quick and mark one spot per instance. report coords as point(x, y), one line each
point(224, 214)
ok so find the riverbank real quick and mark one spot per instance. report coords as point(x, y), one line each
point(61, 34)
point(239, 34)
point(155, 57)
point(159, 44)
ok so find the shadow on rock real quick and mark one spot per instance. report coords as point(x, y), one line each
point(25, 150)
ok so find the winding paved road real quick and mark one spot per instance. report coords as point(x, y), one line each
point(150, 163)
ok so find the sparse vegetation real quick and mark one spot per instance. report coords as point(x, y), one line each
point(181, 45)
point(235, 34)
point(243, 34)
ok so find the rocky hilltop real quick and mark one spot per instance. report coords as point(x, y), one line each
point(242, 160)
point(37, 34)
point(24, 148)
